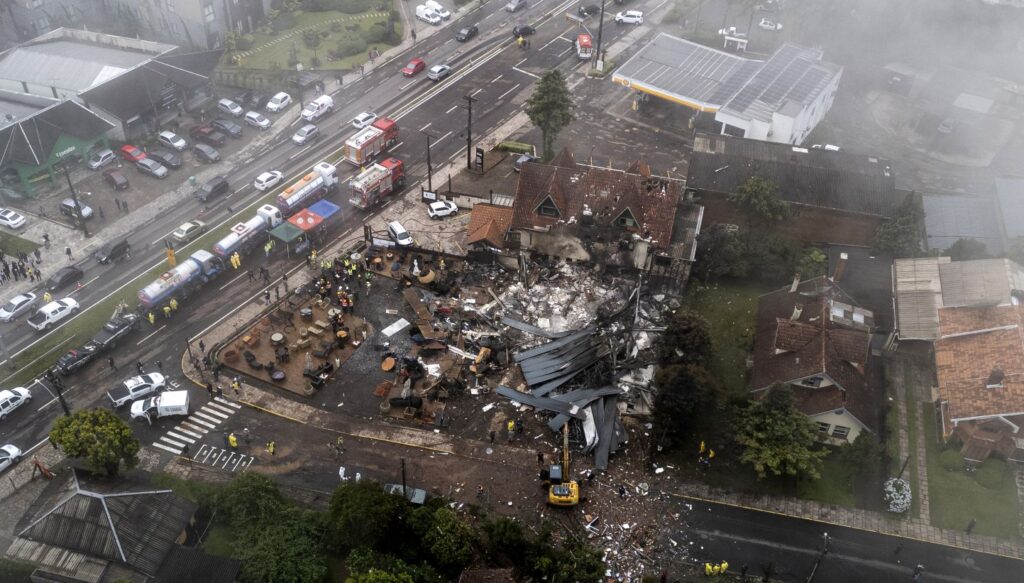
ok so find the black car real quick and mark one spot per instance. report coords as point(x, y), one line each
point(205, 153)
point(227, 127)
point(243, 97)
point(167, 158)
point(116, 179)
point(77, 358)
point(113, 251)
point(586, 10)
point(216, 186)
point(466, 33)
point(64, 277)
point(523, 30)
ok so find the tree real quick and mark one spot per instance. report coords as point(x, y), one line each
point(967, 249)
point(550, 108)
point(900, 235)
point(450, 541)
point(862, 451)
point(362, 514)
point(759, 203)
point(573, 560)
point(100, 437)
point(378, 576)
point(813, 263)
point(687, 339)
point(286, 550)
point(720, 253)
point(251, 498)
point(777, 438)
point(683, 392)
point(505, 538)
point(363, 561)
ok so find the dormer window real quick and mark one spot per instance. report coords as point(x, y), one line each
point(547, 208)
point(626, 219)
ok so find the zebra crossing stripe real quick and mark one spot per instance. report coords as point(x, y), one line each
point(222, 408)
point(213, 412)
point(200, 417)
point(177, 435)
point(165, 448)
point(187, 432)
point(166, 439)
point(203, 423)
point(223, 401)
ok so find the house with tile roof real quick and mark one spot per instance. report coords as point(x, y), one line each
point(814, 338)
point(488, 224)
point(615, 219)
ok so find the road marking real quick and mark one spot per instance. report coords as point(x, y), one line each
point(202, 430)
point(519, 63)
point(219, 407)
point(180, 429)
point(173, 433)
point(204, 416)
point(154, 333)
point(407, 85)
point(204, 423)
point(396, 146)
point(163, 237)
point(172, 442)
point(526, 72)
point(295, 155)
point(552, 41)
point(165, 448)
point(566, 51)
point(453, 108)
point(444, 136)
point(211, 411)
point(502, 96)
point(228, 284)
point(475, 92)
point(426, 126)
point(496, 78)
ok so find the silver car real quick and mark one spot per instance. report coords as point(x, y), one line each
point(18, 305)
point(152, 167)
point(306, 133)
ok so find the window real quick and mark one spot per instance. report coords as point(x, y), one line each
point(547, 208)
point(823, 427)
point(626, 219)
point(840, 432)
point(208, 14)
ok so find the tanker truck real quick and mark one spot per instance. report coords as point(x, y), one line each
point(322, 180)
point(245, 235)
point(181, 281)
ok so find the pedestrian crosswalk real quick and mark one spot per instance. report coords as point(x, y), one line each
point(196, 426)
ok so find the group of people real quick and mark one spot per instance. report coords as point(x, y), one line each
point(167, 310)
point(24, 267)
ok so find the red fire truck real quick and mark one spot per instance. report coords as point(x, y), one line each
point(370, 142)
point(584, 46)
point(376, 182)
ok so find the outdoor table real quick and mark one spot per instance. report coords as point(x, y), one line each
point(276, 338)
point(306, 314)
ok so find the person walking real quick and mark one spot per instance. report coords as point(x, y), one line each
point(266, 296)
point(971, 525)
point(67, 251)
point(232, 440)
point(511, 428)
point(209, 389)
point(138, 366)
point(160, 366)
point(47, 298)
point(252, 276)
point(492, 435)
point(271, 446)
point(237, 386)
point(151, 318)
point(540, 458)
point(167, 312)
point(173, 304)
point(202, 346)
point(110, 361)
point(38, 255)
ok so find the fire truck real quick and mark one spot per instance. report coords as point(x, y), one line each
point(376, 182)
point(369, 142)
point(584, 46)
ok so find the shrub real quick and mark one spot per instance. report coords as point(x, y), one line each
point(244, 42)
point(991, 474)
point(346, 47)
point(951, 460)
point(336, 27)
point(897, 495)
point(516, 147)
point(315, 61)
point(283, 22)
point(376, 34)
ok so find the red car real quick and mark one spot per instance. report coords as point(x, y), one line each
point(131, 153)
point(414, 66)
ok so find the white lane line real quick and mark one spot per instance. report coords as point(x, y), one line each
point(549, 43)
point(475, 92)
point(203, 423)
point(565, 52)
point(495, 80)
point(453, 108)
point(407, 85)
point(180, 429)
point(86, 283)
point(215, 413)
point(219, 407)
point(168, 449)
point(154, 333)
point(163, 237)
point(240, 459)
point(201, 430)
point(165, 439)
point(519, 63)
point(526, 72)
point(295, 155)
point(228, 284)
point(228, 461)
point(502, 96)
point(444, 136)
point(426, 126)
point(179, 436)
point(223, 401)
point(202, 416)
point(396, 146)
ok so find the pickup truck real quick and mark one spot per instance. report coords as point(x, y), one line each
point(53, 312)
point(112, 332)
point(135, 388)
point(163, 405)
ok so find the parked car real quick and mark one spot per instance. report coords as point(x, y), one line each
point(100, 158)
point(63, 277)
point(279, 102)
point(131, 153)
point(166, 157)
point(630, 17)
point(112, 251)
point(306, 134)
point(363, 119)
point(769, 24)
point(136, 388)
point(227, 127)
point(438, 72)
point(523, 30)
point(206, 153)
point(268, 180)
point(399, 234)
point(438, 9)
point(257, 120)
point(523, 159)
point(67, 208)
point(152, 167)
point(9, 455)
point(466, 33)
point(18, 305)
point(52, 313)
point(230, 107)
point(441, 209)
point(172, 141)
point(826, 147)
point(586, 10)
point(214, 187)
point(188, 231)
point(207, 135)
point(428, 15)
point(11, 219)
point(115, 179)
point(414, 67)
point(11, 399)
point(515, 5)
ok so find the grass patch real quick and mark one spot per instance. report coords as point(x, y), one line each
point(13, 244)
point(835, 485)
point(15, 571)
point(730, 310)
point(956, 497)
point(218, 540)
point(912, 429)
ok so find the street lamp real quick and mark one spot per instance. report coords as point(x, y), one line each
point(598, 61)
point(430, 167)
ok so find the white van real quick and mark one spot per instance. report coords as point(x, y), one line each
point(163, 405)
point(317, 108)
point(398, 234)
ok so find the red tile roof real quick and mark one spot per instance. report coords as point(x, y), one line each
point(488, 223)
point(602, 194)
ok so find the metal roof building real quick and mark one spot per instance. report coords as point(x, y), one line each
point(779, 100)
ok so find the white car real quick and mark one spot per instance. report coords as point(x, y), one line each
point(172, 140)
point(12, 399)
point(279, 102)
point(268, 180)
point(438, 9)
point(630, 17)
point(188, 231)
point(257, 120)
point(101, 158)
point(363, 119)
point(52, 313)
point(11, 219)
point(306, 134)
point(428, 15)
point(18, 305)
point(9, 455)
point(829, 147)
point(769, 24)
point(441, 209)
point(135, 388)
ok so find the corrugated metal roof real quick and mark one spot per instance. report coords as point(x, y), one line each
point(980, 282)
point(66, 64)
point(948, 218)
point(918, 297)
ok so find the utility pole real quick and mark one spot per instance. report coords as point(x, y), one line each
point(469, 132)
point(58, 386)
point(74, 198)
point(403, 480)
point(430, 167)
point(598, 61)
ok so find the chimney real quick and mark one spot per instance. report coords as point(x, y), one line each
point(797, 310)
point(840, 267)
point(796, 283)
point(995, 378)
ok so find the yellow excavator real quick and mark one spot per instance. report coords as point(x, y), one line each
point(563, 491)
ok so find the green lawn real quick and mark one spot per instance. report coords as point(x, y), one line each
point(13, 244)
point(956, 497)
point(15, 571)
point(730, 310)
point(835, 485)
point(264, 51)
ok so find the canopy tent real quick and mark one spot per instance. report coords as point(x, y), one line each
point(306, 220)
point(325, 209)
point(286, 232)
